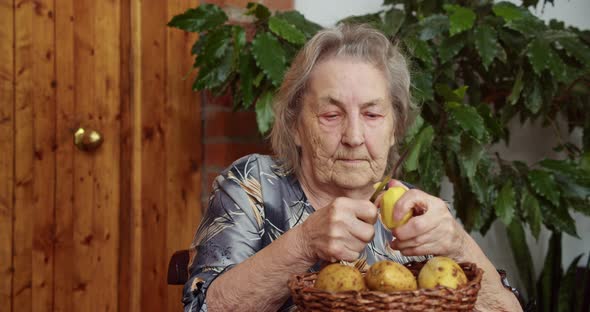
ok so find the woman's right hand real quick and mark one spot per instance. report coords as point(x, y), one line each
point(339, 231)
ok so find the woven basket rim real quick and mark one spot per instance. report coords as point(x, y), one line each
point(463, 298)
point(475, 280)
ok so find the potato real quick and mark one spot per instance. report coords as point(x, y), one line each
point(389, 276)
point(390, 197)
point(441, 271)
point(337, 277)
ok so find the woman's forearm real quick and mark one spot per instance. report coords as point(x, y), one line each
point(492, 295)
point(260, 283)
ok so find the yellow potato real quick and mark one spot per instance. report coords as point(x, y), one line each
point(441, 271)
point(389, 276)
point(390, 197)
point(340, 277)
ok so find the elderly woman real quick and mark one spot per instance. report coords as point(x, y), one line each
point(343, 106)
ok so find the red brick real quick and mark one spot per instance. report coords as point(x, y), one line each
point(223, 154)
point(223, 101)
point(231, 124)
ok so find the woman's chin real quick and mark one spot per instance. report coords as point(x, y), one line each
point(353, 180)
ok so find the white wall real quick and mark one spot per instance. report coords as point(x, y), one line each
point(495, 243)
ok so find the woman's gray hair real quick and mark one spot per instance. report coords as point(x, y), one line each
point(358, 41)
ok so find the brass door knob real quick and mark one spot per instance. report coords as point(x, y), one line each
point(87, 140)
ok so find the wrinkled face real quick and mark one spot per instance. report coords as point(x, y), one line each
point(345, 128)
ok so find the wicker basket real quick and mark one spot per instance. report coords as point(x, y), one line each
point(462, 299)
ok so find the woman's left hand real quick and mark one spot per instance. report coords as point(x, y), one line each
point(433, 231)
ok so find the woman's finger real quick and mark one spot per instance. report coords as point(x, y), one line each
point(430, 236)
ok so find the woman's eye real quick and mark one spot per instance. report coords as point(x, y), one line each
point(372, 115)
point(330, 117)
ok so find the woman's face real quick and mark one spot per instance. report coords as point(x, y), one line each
point(345, 128)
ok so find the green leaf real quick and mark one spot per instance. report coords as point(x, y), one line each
point(449, 94)
point(394, 19)
point(247, 70)
point(585, 161)
point(269, 56)
point(481, 189)
point(298, 20)
point(239, 37)
point(414, 128)
point(264, 115)
point(423, 139)
point(530, 206)
point(214, 46)
point(431, 171)
point(567, 289)
point(559, 219)
point(486, 43)
point(529, 25)
point(471, 153)
point(433, 25)
point(460, 92)
point(557, 66)
point(562, 166)
point(577, 49)
point(373, 19)
point(508, 11)
point(419, 49)
point(468, 119)
point(521, 254)
point(551, 275)
point(492, 122)
point(538, 54)
point(422, 86)
point(212, 76)
point(534, 98)
point(461, 18)
point(205, 17)
point(388, 2)
point(450, 47)
point(544, 185)
point(552, 35)
point(256, 9)
point(516, 88)
point(505, 203)
point(285, 30)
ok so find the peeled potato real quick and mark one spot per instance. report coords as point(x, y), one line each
point(340, 277)
point(389, 276)
point(390, 197)
point(441, 271)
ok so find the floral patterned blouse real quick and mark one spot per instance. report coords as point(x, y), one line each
point(253, 202)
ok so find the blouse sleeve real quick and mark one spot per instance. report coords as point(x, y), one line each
point(228, 234)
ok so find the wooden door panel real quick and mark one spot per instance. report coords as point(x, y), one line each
point(96, 174)
point(6, 151)
point(34, 157)
point(150, 103)
point(94, 231)
point(65, 175)
point(183, 145)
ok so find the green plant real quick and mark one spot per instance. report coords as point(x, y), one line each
point(476, 66)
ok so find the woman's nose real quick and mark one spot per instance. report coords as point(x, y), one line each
point(353, 132)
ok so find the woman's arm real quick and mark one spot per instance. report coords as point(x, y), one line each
point(259, 283)
point(339, 231)
point(437, 232)
point(493, 296)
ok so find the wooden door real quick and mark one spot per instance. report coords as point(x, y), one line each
point(93, 231)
